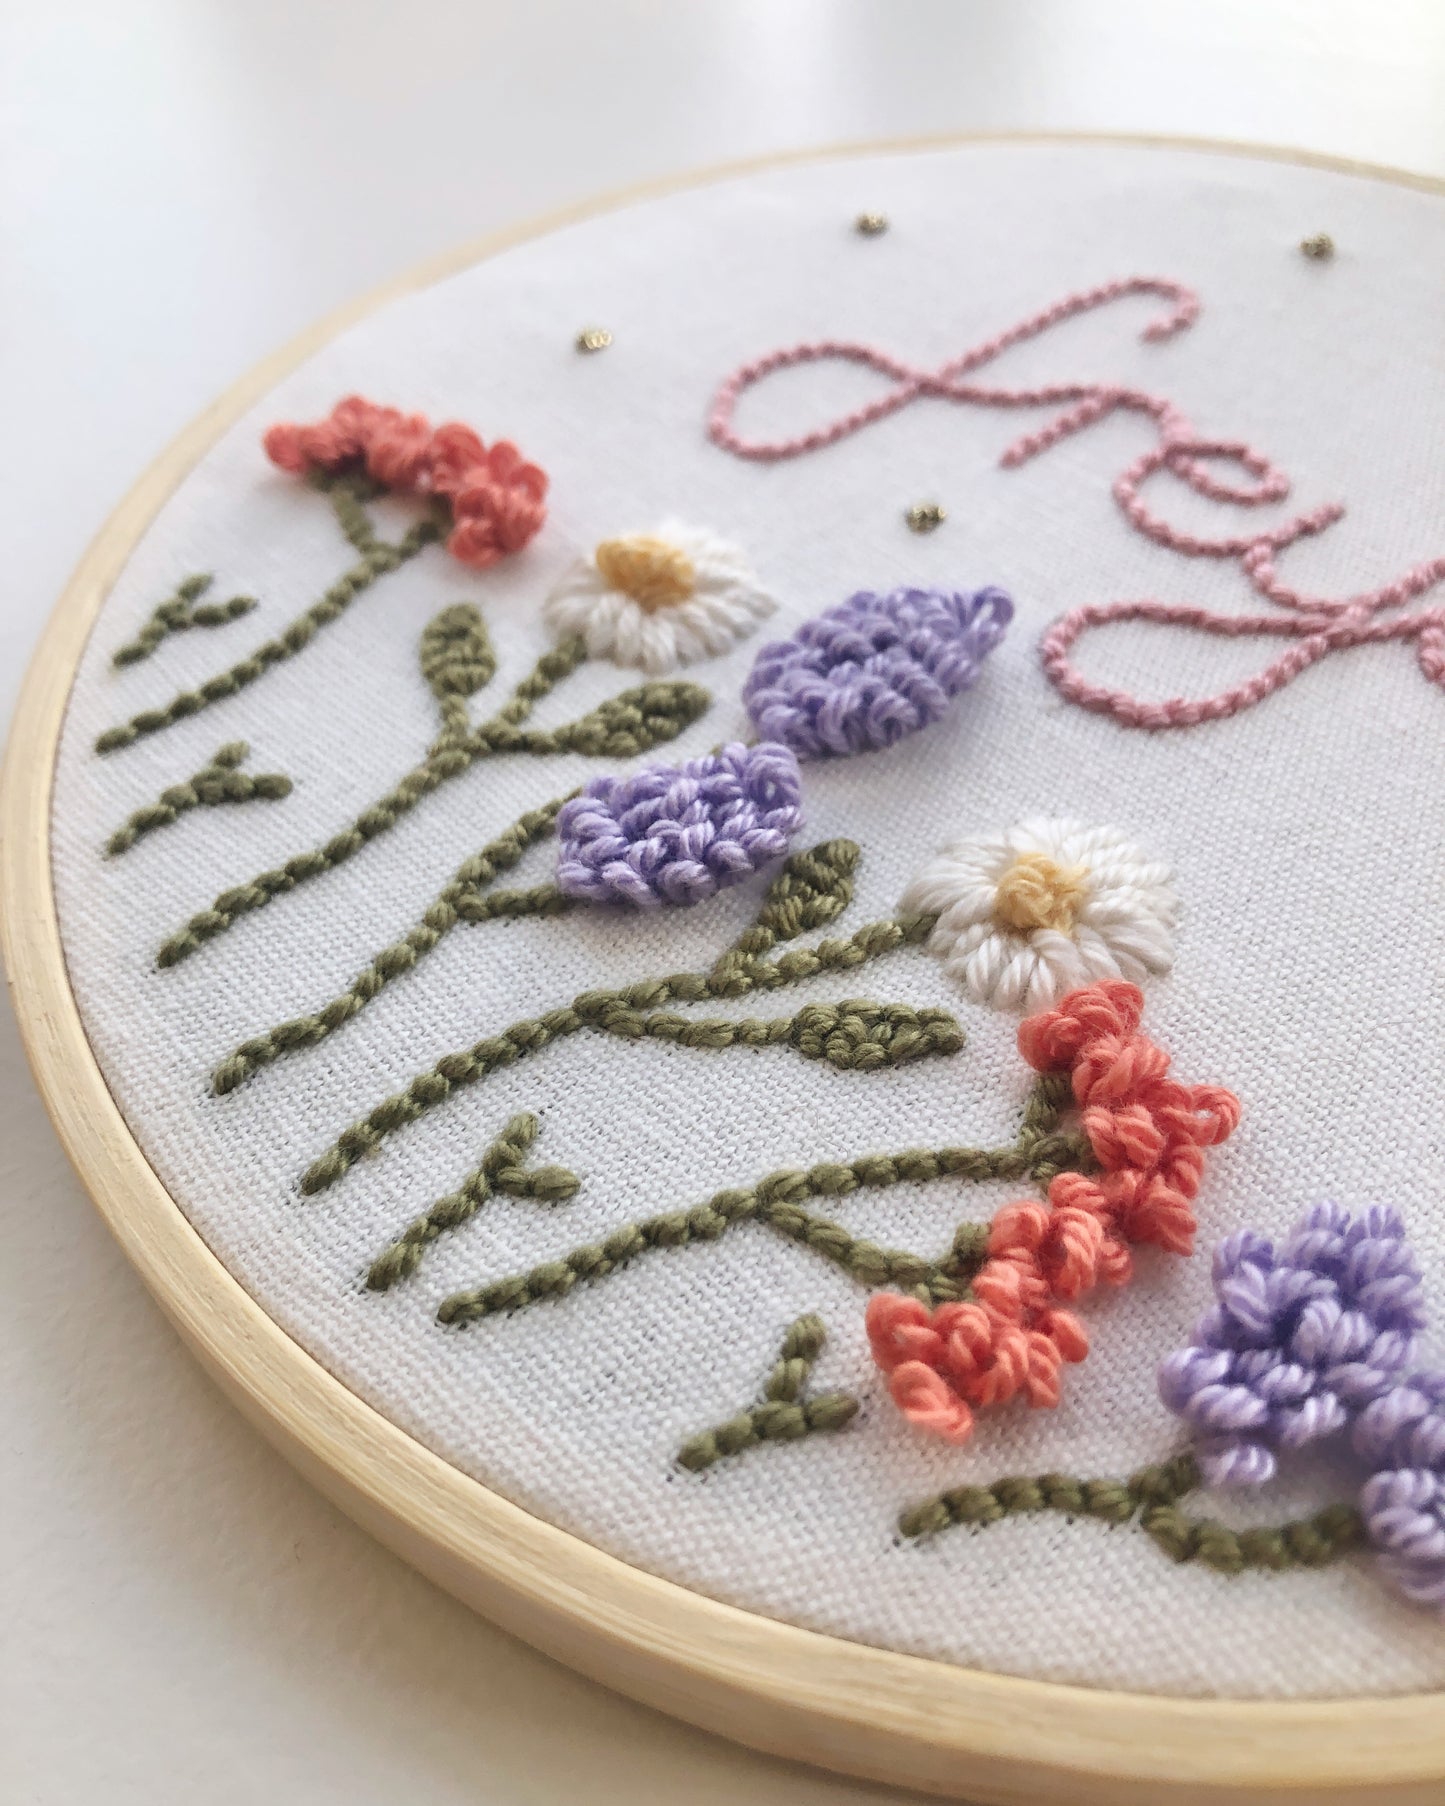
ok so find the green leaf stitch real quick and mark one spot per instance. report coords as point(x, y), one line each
point(502, 1170)
point(218, 782)
point(376, 560)
point(785, 1414)
point(858, 1034)
point(1152, 1496)
point(1039, 1152)
point(176, 614)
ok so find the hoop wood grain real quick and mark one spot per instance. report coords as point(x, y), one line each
point(864, 1711)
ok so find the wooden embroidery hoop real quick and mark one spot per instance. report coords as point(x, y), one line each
point(792, 1692)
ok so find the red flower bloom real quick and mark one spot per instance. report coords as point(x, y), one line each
point(496, 497)
point(1148, 1133)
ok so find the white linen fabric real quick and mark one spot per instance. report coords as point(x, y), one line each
point(1304, 835)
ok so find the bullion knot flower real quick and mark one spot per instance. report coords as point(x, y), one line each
point(942, 1363)
point(1404, 1516)
point(1401, 1433)
point(659, 599)
point(678, 834)
point(874, 668)
point(1029, 914)
point(1013, 1335)
point(496, 498)
point(1299, 1339)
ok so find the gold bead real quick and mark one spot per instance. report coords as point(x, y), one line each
point(924, 517)
point(1319, 247)
point(871, 224)
point(594, 338)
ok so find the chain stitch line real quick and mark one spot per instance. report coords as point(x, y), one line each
point(503, 1169)
point(177, 614)
point(854, 1034)
point(1039, 1152)
point(218, 782)
point(377, 559)
point(1151, 1496)
point(465, 898)
point(1320, 625)
point(785, 1414)
point(624, 725)
point(813, 888)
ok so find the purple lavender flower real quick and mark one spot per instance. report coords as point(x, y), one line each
point(873, 669)
point(677, 834)
point(1402, 1435)
point(1404, 1513)
point(1299, 1341)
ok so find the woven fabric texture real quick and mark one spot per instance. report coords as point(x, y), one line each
point(1304, 834)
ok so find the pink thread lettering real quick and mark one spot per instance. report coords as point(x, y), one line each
point(1221, 470)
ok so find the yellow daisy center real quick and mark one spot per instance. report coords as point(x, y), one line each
point(654, 573)
point(1037, 892)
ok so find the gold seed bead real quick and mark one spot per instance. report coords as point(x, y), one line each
point(594, 338)
point(871, 224)
point(924, 517)
point(1319, 247)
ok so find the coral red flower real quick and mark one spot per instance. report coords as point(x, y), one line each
point(1148, 1134)
point(496, 497)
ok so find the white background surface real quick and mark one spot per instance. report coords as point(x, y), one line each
point(185, 186)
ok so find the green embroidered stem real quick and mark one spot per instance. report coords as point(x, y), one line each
point(777, 1202)
point(377, 558)
point(626, 1012)
point(218, 782)
point(813, 889)
point(1152, 1495)
point(464, 898)
point(178, 613)
point(501, 1170)
point(627, 724)
point(784, 1415)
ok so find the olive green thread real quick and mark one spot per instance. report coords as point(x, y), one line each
point(218, 782)
point(813, 889)
point(464, 898)
point(456, 660)
point(784, 1415)
point(178, 613)
point(502, 1170)
point(1152, 1496)
point(884, 1038)
point(623, 726)
point(776, 1201)
point(376, 560)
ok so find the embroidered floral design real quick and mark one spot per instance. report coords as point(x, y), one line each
point(220, 781)
point(788, 1411)
point(1147, 1133)
point(1151, 1498)
point(1304, 1342)
point(494, 495)
point(873, 669)
point(1402, 1435)
point(660, 599)
point(677, 834)
point(1227, 471)
point(1300, 1338)
point(1029, 914)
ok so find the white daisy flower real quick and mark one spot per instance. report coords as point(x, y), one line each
point(1027, 916)
point(660, 599)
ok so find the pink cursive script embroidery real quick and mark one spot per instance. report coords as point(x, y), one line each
point(1222, 470)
